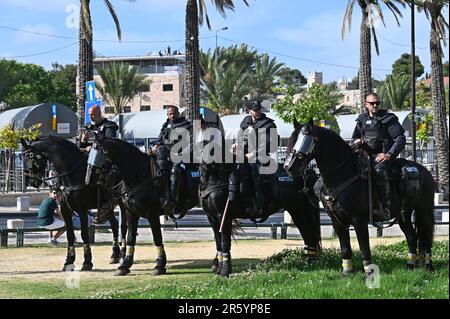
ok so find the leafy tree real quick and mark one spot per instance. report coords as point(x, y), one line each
point(403, 66)
point(423, 96)
point(9, 141)
point(292, 77)
point(445, 69)
point(424, 129)
point(9, 76)
point(317, 102)
point(64, 84)
point(34, 86)
point(120, 84)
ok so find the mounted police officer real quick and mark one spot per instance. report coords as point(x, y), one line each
point(162, 148)
point(381, 134)
point(104, 128)
point(253, 123)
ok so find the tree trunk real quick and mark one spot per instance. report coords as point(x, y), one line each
point(365, 60)
point(192, 73)
point(440, 131)
point(85, 63)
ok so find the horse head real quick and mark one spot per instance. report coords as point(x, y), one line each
point(301, 148)
point(35, 162)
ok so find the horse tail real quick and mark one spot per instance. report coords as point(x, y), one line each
point(424, 212)
point(236, 229)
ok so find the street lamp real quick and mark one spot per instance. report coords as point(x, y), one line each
point(223, 29)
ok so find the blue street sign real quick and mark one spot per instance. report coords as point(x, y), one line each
point(88, 105)
point(90, 91)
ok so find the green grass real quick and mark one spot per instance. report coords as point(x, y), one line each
point(284, 275)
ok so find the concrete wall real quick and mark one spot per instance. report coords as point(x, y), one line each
point(10, 199)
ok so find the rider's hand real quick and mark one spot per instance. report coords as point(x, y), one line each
point(154, 148)
point(357, 141)
point(382, 157)
point(85, 136)
point(88, 148)
point(249, 156)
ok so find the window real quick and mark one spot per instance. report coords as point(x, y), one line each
point(145, 108)
point(127, 109)
point(167, 87)
point(109, 109)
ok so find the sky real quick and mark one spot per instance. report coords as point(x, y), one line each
point(303, 34)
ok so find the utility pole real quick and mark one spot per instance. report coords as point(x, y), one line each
point(413, 82)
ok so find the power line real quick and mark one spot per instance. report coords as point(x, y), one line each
point(304, 59)
point(39, 53)
point(96, 40)
point(398, 44)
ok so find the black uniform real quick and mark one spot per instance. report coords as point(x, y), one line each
point(381, 134)
point(105, 128)
point(262, 147)
point(163, 153)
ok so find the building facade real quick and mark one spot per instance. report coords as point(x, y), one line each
point(163, 71)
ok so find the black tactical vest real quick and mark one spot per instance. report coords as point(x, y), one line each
point(375, 134)
point(180, 122)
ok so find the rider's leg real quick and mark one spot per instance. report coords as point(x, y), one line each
point(256, 180)
point(383, 187)
point(162, 155)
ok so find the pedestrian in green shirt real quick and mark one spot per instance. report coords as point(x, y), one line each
point(50, 217)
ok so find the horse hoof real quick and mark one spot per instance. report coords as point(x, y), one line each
point(214, 268)
point(122, 272)
point(114, 261)
point(87, 267)
point(159, 271)
point(346, 273)
point(69, 267)
point(410, 267)
point(429, 267)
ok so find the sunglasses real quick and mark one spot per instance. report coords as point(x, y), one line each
point(374, 103)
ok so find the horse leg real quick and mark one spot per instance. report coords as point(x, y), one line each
point(362, 234)
point(307, 219)
point(218, 260)
point(425, 229)
point(346, 248)
point(161, 260)
point(115, 257)
point(70, 259)
point(411, 238)
point(123, 231)
point(132, 222)
point(226, 246)
point(87, 263)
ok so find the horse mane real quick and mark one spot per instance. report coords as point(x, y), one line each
point(127, 147)
point(294, 137)
point(62, 142)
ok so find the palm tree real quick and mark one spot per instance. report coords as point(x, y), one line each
point(395, 91)
point(85, 51)
point(265, 72)
point(195, 12)
point(367, 26)
point(434, 11)
point(120, 84)
point(226, 92)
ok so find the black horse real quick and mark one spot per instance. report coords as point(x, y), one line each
point(341, 171)
point(141, 195)
point(283, 193)
point(70, 165)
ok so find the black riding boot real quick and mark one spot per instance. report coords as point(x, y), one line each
point(383, 189)
point(168, 201)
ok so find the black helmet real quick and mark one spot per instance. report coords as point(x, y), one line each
point(254, 105)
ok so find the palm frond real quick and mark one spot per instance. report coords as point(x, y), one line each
point(115, 18)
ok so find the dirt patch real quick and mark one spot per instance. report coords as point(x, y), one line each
point(45, 263)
